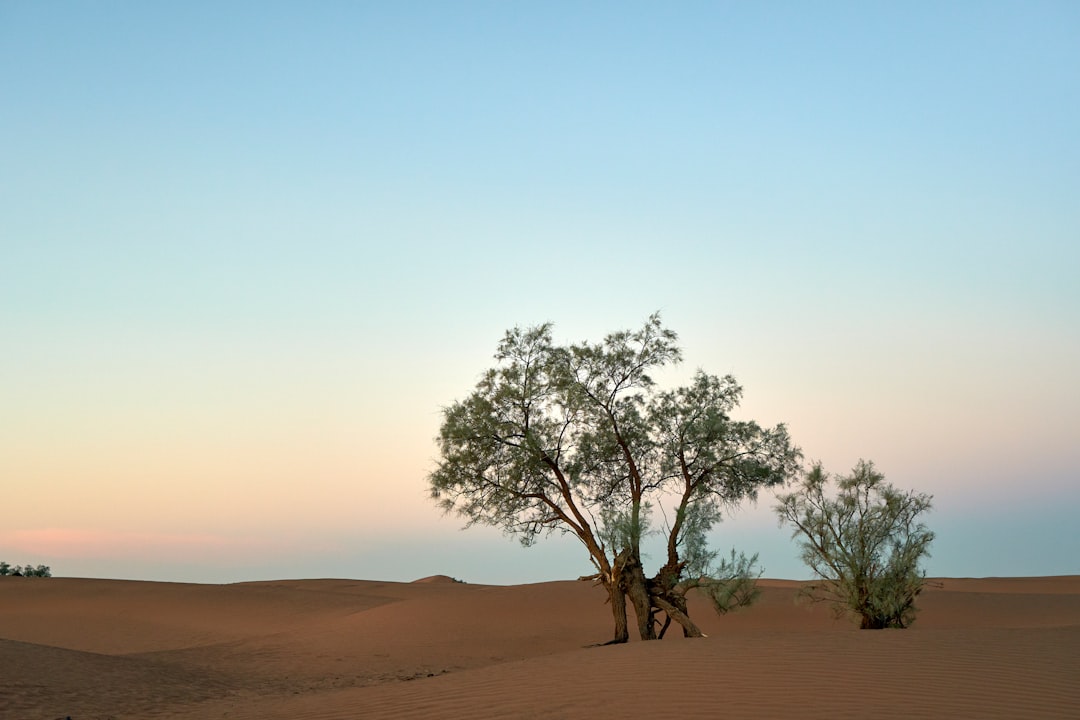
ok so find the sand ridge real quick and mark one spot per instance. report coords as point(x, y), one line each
point(998, 647)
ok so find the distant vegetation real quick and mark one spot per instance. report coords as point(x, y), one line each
point(25, 571)
point(864, 544)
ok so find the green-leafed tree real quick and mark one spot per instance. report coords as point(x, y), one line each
point(578, 439)
point(864, 544)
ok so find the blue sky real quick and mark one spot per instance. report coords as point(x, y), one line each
point(249, 251)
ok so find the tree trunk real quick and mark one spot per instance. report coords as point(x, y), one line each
point(617, 598)
point(689, 628)
point(637, 589)
point(670, 597)
point(663, 629)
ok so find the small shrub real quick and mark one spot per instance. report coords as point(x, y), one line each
point(865, 544)
point(25, 571)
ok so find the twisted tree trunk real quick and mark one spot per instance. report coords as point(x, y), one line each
point(637, 588)
point(679, 615)
point(669, 595)
point(617, 598)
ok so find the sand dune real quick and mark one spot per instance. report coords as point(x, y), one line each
point(322, 649)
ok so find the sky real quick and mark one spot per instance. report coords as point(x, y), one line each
point(249, 252)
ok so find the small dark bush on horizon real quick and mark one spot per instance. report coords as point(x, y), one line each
point(27, 570)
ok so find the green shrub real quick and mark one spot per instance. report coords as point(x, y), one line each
point(864, 544)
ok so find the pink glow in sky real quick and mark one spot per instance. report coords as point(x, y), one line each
point(69, 544)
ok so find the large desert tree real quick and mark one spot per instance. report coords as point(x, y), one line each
point(578, 439)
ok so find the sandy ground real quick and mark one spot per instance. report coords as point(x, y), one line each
point(323, 649)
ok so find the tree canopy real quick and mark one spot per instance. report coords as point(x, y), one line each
point(579, 439)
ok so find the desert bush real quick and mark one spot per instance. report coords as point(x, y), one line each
point(25, 570)
point(864, 544)
point(732, 583)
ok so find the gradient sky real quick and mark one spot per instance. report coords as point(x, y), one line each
point(249, 250)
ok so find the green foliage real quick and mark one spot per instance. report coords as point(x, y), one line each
point(26, 571)
point(729, 583)
point(623, 530)
point(865, 544)
point(732, 583)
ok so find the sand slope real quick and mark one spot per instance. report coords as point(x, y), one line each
point(90, 649)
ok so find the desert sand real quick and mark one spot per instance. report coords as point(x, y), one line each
point(321, 649)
